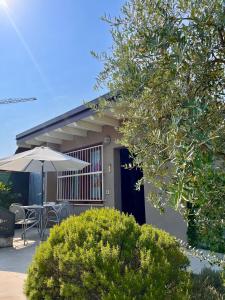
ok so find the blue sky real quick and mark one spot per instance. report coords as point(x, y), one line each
point(52, 61)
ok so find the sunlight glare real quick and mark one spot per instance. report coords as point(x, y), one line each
point(7, 9)
point(3, 3)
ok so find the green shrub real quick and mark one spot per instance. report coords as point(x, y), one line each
point(208, 285)
point(103, 254)
point(7, 197)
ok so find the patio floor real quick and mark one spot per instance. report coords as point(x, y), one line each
point(14, 262)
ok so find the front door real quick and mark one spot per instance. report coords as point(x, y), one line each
point(133, 201)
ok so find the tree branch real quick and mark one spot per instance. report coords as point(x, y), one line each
point(222, 40)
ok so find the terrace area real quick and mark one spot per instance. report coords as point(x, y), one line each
point(14, 262)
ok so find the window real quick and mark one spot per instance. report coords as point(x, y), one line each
point(85, 186)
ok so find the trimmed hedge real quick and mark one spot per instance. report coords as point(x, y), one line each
point(105, 254)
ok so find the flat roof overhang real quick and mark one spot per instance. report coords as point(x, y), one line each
point(76, 122)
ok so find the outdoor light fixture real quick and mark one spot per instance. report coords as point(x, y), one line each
point(107, 140)
point(109, 168)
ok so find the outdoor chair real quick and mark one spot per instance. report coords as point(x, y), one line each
point(55, 213)
point(26, 218)
point(65, 210)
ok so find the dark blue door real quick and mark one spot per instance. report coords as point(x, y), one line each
point(132, 200)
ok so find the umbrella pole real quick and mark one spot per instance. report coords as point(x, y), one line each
point(42, 182)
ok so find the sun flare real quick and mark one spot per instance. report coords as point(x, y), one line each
point(3, 3)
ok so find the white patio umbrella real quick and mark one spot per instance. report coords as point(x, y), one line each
point(41, 160)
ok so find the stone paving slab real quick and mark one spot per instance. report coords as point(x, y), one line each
point(14, 262)
point(11, 285)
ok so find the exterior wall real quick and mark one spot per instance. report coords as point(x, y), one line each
point(51, 192)
point(117, 180)
point(51, 180)
point(93, 138)
point(170, 221)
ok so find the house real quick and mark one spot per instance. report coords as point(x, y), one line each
point(91, 137)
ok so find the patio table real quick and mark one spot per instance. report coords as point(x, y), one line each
point(41, 212)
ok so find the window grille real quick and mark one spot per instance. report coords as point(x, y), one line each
point(84, 186)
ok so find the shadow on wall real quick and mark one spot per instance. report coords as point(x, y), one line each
point(27, 185)
point(35, 188)
point(20, 184)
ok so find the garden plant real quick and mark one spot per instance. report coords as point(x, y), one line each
point(7, 196)
point(208, 285)
point(105, 254)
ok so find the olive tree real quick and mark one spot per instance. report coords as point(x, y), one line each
point(166, 66)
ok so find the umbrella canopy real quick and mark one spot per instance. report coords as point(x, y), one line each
point(41, 159)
